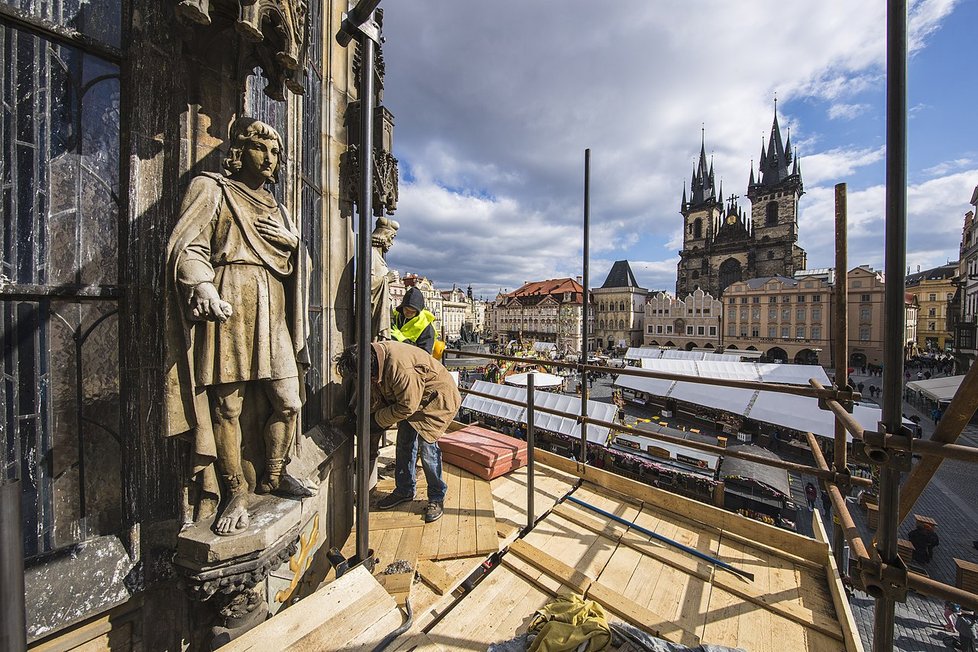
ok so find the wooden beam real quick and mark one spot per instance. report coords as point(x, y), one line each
point(435, 576)
point(551, 566)
point(839, 599)
point(693, 510)
point(955, 418)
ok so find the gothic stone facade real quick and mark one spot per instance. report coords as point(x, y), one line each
point(721, 244)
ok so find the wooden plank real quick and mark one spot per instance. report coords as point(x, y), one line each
point(692, 510)
point(551, 566)
point(485, 519)
point(326, 619)
point(640, 616)
point(435, 576)
point(843, 611)
point(466, 541)
point(396, 519)
point(398, 585)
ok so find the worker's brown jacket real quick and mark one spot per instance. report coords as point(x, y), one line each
point(415, 387)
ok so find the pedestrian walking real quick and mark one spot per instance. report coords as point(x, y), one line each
point(965, 624)
point(811, 494)
point(826, 503)
point(924, 539)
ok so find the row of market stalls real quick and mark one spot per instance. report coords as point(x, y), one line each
point(738, 485)
point(938, 390)
point(637, 353)
point(797, 413)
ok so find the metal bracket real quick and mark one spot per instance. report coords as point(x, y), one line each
point(343, 565)
point(885, 448)
point(887, 580)
point(843, 480)
point(359, 22)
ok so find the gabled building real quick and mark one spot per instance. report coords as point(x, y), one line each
point(721, 243)
point(619, 309)
point(934, 289)
point(542, 311)
point(693, 322)
point(455, 305)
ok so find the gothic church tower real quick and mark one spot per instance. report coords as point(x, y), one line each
point(721, 245)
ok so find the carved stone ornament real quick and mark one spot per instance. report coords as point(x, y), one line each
point(277, 28)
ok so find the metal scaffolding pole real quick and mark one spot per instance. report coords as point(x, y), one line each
point(894, 306)
point(585, 306)
point(841, 347)
point(359, 24)
point(530, 443)
point(13, 619)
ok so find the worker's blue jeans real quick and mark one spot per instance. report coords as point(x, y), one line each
point(405, 465)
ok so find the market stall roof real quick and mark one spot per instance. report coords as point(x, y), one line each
point(796, 412)
point(540, 379)
point(553, 423)
point(677, 452)
point(937, 389)
point(773, 478)
point(637, 353)
point(545, 347)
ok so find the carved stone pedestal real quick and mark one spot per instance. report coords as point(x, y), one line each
point(228, 573)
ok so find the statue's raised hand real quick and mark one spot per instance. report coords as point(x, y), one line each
point(206, 304)
point(276, 233)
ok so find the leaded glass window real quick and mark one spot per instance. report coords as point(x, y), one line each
point(59, 179)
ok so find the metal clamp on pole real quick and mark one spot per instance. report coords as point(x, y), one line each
point(885, 580)
point(359, 22)
point(882, 447)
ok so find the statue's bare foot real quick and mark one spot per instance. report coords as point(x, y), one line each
point(234, 518)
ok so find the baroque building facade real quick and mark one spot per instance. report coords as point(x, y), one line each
point(619, 309)
point(721, 243)
point(542, 311)
point(964, 324)
point(934, 289)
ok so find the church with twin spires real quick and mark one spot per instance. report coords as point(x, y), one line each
point(722, 244)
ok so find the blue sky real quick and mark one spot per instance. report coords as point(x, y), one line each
point(496, 102)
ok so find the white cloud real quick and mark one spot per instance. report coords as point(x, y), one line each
point(494, 112)
point(946, 167)
point(847, 111)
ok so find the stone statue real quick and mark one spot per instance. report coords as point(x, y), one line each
point(381, 240)
point(236, 329)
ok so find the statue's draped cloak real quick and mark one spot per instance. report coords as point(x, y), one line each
point(261, 276)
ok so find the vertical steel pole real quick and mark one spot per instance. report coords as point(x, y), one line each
point(363, 291)
point(586, 305)
point(13, 618)
point(841, 344)
point(530, 443)
point(894, 309)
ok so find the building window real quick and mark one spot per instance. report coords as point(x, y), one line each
point(755, 331)
point(931, 326)
point(933, 297)
point(785, 299)
point(816, 297)
point(799, 332)
point(658, 329)
point(669, 329)
point(864, 297)
point(801, 298)
point(856, 284)
point(743, 314)
point(816, 332)
point(733, 299)
point(864, 333)
point(772, 314)
point(865, 313)
point(713, 331)
point(772, 331)
point(771, 214)
point(689, 330)
point(816, 314)
point(695, 273)
point(701, 330)
point(743, 331)
point(932, 312)
point(786, 314)
point(706, 311)
point(743, 299)
point(59, 143)
point(731, 330)
point(785, 332)
point(800, 314)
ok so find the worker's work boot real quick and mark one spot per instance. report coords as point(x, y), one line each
point(392, 500)
point(433, 512)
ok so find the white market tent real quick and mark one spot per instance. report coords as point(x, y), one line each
point(553, 423)
point(941, 390)
point(797, 412)
point(639, 353)
point(548, 348)
point(540, 379)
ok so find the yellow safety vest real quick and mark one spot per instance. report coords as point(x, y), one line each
point(412, 329)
